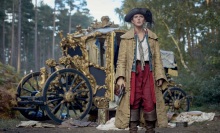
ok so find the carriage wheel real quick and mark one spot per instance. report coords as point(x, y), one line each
point(176, 100)
point(28, 88)
point(69, 92)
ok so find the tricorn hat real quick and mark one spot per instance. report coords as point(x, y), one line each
point(144, 11)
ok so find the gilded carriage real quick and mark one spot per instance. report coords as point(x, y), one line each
point(83, 78)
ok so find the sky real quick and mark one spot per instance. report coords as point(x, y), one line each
point(99, 8)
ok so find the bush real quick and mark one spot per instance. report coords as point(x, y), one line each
point(8, 83)
point(210, 90)
point(203, 87)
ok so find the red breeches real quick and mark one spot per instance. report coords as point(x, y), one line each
point(142, 89)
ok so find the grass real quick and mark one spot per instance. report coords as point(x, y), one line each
point(206, 108)
point(11, 123)
point(8, 123)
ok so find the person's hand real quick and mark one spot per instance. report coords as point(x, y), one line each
point(159, 82)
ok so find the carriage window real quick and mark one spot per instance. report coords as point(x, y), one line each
point(93, 51)
point(96, 51)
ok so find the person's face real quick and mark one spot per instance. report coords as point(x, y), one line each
point(138, 20)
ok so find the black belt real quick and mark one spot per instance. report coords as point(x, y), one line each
point(139, 62)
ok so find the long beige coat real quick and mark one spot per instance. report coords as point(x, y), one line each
point(124, 67)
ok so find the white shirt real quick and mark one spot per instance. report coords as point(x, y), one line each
point(145, 50)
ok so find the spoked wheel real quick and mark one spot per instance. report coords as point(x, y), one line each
point(176, 100)
point(69, 92)
point(27, 91)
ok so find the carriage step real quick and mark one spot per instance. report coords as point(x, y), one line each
point(23, 108)
point(35, 102)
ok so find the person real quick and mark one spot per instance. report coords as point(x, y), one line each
point(140, 70)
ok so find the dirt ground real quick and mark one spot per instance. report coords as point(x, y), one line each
point(198, 127)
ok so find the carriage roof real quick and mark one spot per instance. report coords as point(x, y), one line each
point(103, 27)
point(168, 59)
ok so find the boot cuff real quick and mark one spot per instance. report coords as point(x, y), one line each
point(150, 116)
point(135, 115)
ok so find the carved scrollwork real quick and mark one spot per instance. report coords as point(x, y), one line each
point(83, 66)
point(101, 102)
point(51, 63)
point(65, 60)
point(110, 69)
point(105, 22)
point(43, 76)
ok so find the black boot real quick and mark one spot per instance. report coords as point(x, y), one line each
point(150, 119)
point(133, 126)
point(150, 126)
point(134, 120)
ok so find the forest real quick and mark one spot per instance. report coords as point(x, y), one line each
point(29, 33)
point(189, 28)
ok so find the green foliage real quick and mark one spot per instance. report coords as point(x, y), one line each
point(7, 74)
point(209, 91)
point(10, 123)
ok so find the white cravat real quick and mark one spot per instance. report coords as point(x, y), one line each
point(145, 50)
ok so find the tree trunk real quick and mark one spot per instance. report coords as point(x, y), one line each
point(35, 40)
point(3, 42)
point(178, 48)
point(54, 26)
point(19, 38)
point(2, 49)
point(188, 38)
point(13, 59)
point(70, 21)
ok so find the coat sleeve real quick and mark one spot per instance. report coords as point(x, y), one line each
point(121, 62)
point(159, 70)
